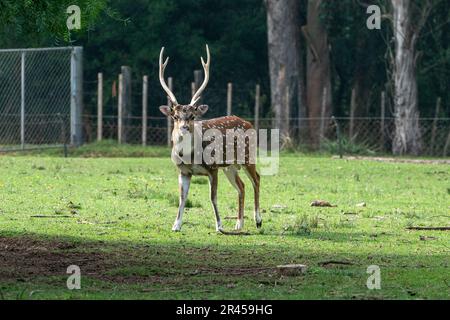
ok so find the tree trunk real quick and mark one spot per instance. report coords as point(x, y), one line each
point(318, 70)
point(407, 137)
point(284, 61)
point(302, 112)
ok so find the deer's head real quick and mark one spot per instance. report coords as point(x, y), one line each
point(183, 115)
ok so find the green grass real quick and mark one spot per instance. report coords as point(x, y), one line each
point(105, 148)
point(112, 217)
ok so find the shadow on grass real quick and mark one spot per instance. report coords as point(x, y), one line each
point(36, 259)
point(326, 235)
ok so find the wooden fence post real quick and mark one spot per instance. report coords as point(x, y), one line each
point(447, 145)
point(100, 106)
point(193, 88)
point(229, 98)
point(144, 109)
point(382, 124)
point(169, 120)
point(198, 78)
point(352, 114)
point(120, 110)
point(434, 126)
point(76, 101)
point(257, 95)
point(126, 102)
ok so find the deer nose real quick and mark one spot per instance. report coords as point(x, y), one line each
point(185, 127)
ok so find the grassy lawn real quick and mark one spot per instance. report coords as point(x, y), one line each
point(113, 217)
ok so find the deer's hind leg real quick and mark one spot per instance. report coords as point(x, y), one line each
point(233, 176)
point(250, 170)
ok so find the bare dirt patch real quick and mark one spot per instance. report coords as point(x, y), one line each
point(23, 258)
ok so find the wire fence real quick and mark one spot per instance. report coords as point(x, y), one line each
point(42, 95)
point(345, 134)
point(39, 95)
point(340, 134)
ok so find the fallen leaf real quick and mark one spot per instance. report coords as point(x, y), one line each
point(321, 203)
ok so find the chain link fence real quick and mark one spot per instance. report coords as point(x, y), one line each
point(243, 101)
point(357, 135)
point(40, 97)
point(340, 135)
point(41, 103)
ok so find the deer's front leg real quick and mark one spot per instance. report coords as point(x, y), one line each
point(184, 182)
point(213, 177)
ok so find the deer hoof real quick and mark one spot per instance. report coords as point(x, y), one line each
point(176, 226)
point(259, 224)
point(239, 224)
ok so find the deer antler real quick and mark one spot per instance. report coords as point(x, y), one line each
point(198, 94)
point(162, 66)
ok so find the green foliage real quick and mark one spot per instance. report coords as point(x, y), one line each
point(235, 32)
point(302, 225)
point(346, 146)
point(434, 61)
point(356, 50)
point(357, 53)
point(33, 23)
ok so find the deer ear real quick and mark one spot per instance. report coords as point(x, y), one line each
point(166, 110)
point(201, 110)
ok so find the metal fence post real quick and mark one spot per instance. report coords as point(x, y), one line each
point(100, 107)
point(144, 109)
point(22, 101)
point(229, 98)
point(76, 96)
point(120, 110)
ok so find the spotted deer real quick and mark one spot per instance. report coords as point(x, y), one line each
point(186, 119)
